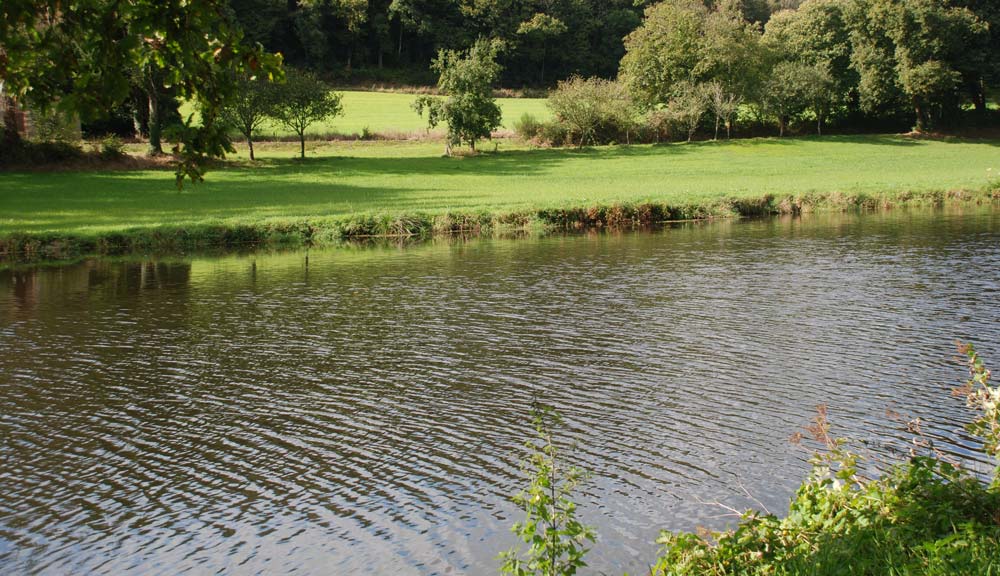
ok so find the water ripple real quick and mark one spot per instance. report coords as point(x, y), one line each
point(365, 411)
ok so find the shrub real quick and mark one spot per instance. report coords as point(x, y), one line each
point(554, 133)
point(593, 111)
point(528, 127)
point(555, 537)
point(112, 148)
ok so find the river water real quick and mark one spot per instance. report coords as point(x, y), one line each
point(364, 410)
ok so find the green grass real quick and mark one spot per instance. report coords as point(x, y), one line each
point(342, 180)
point(391, 113)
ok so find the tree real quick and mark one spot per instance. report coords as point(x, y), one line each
point(664, 50)
point(786, 94)
point(589, 106)
point(687, 107)
point(731, 54)
point(817, 33)
point(819, 93)
point(929, 85)
point(302, 101)
point(724, 105)
point(918, 53)
point(78, 56)
point(541, 28)
point(250, 107)
point(467, 78)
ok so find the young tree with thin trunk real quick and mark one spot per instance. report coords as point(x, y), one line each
point(250, 107)
point(302, 101)
point(724, 105)
point(469, 110)
point(687, 107)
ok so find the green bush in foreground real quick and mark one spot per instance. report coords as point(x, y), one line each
point(924, 516)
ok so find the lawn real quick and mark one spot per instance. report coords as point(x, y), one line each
point(344, 178)
point(391, 113)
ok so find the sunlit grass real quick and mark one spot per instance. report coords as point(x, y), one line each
point(342, 178)
point(391, 113)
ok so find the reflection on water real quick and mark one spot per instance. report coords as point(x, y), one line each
point(363, 411)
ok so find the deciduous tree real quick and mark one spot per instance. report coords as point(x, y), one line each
point(469, 109)
point(301, 101)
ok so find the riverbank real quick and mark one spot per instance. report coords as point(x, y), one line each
point(357, 189)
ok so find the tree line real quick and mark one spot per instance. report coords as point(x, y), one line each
point(857, 64)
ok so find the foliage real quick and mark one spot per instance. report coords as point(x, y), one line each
point(302, 100)
point(664, 50)
point(251, 105)
point(469, 110)
point(593, 110)
point(817, 34)
point(556, 539)
point(724, 105)
point(111, 148)
point(787, 92)
point(985, 400)
point(925, 516)
point(917, 52)
point(686, 109)
point(80, 56)
point(528, 127)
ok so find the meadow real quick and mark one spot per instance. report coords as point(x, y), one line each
point(408, 187)
point(389, 113)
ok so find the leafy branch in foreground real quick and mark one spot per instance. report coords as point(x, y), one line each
point(555, 537)
point(985, 399)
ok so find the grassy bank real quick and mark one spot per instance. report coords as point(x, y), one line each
point(350, 189)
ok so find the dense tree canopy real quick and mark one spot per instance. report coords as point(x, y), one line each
point(861, 61)
point(546, 40)
point(86, 57)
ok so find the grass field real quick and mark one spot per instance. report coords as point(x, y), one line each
point(341, 179)
point(391, 113)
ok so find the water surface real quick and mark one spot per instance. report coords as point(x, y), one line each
point(364, 410)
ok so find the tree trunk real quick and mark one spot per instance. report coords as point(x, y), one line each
point(921, 121)
point(250, 145)
point(781, 126)
point(979, 99)
point(302, 144)
point(819, 125)
point(155, 127)
point(716, 127)
point(729, 124)
point(543, 62)
point(11, 136)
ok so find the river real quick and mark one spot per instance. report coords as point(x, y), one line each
point(364, 410)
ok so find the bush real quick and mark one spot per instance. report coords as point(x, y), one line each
point(112, 148)
point(54, 125)
point(593, 111)
point(528, 127)
point(554, 133)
